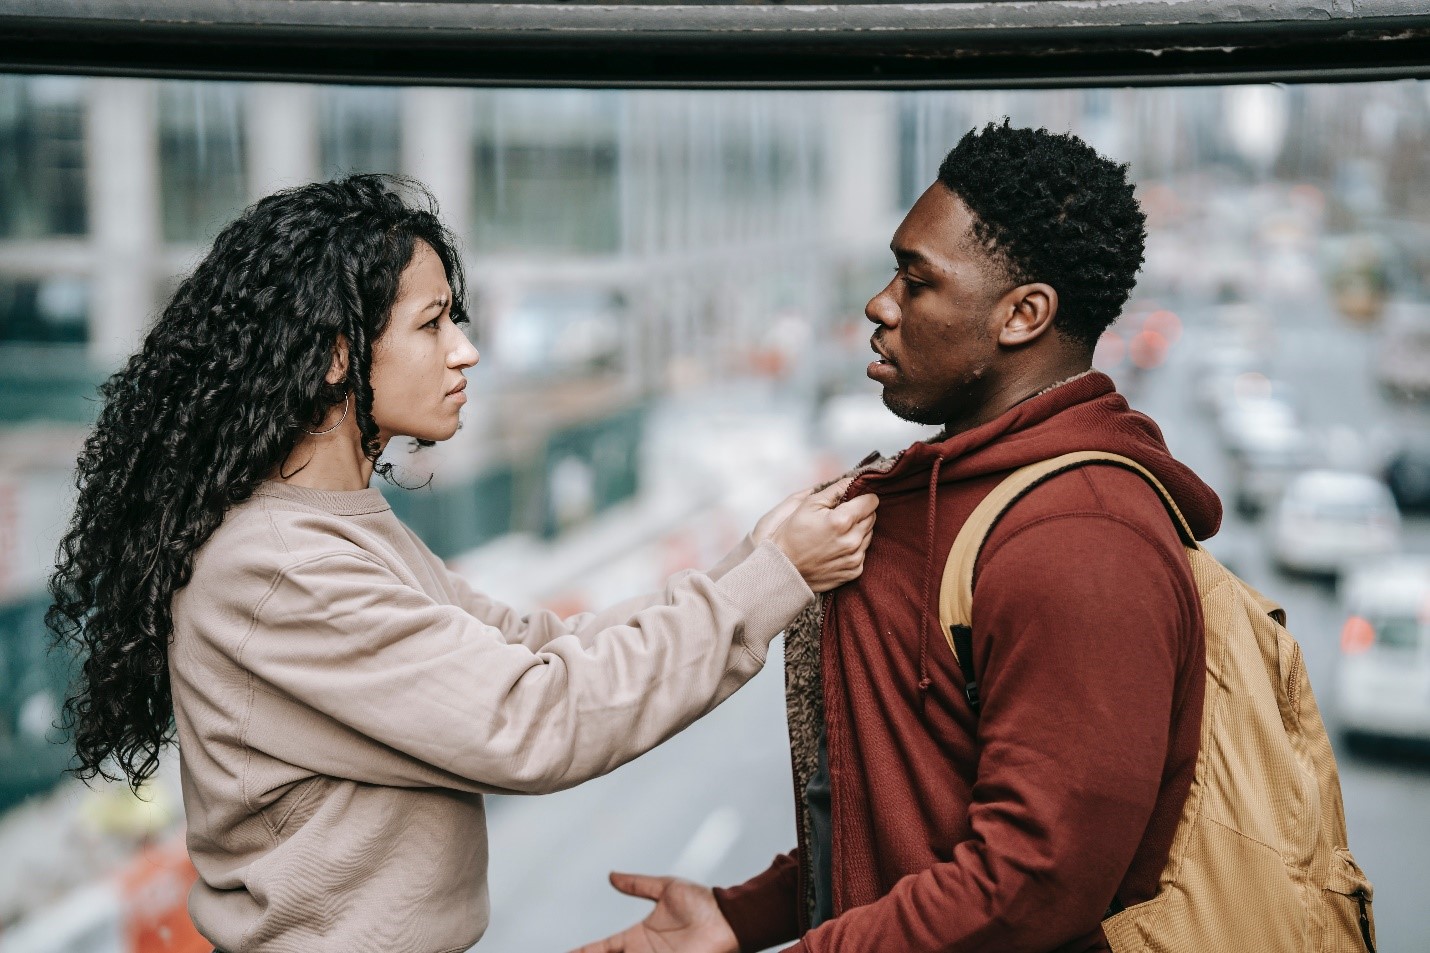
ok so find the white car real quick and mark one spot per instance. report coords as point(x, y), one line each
point(1383, 679)
point(1271, 456)
point(1328, 520)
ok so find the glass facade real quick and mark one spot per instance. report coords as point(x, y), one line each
point(546, 172)
point(201, 158)
point(42, 157)
point(359, 130)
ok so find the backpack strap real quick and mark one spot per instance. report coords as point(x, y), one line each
point(955, 599)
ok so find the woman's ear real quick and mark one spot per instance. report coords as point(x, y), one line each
point(1030, 312)
point(338, 370)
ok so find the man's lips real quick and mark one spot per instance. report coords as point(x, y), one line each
point(883, 369)
point(874, 346)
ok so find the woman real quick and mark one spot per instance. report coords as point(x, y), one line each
point(341, 700)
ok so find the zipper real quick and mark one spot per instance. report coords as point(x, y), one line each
point(1363, 901)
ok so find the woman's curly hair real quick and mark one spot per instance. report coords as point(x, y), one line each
point(1048, 208)
point(213, 403)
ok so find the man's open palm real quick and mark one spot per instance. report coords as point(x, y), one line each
point(686, 919)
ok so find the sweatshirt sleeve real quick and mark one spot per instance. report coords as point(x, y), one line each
point(536, 629)
point(1077, 673)
point(450, 701)
point(764, 910)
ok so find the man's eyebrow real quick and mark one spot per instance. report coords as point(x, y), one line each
point(908, 256)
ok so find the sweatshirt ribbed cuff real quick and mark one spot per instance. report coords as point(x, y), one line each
point(771, 592)
point(733, 558)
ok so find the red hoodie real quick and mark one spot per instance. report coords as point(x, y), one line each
point(1014, 829)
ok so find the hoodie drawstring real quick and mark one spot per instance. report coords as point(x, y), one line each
point(929, 543)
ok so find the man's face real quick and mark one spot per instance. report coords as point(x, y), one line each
point(937, 336)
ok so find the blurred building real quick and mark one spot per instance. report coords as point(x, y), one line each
point(621, 246)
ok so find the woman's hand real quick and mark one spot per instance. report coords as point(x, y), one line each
point(775, 517)
point(826, 539)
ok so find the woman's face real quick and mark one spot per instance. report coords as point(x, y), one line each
point(418, 387)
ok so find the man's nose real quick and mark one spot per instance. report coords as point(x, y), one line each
point(882, 309)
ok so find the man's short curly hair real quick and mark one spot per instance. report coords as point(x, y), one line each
point(1048, 208)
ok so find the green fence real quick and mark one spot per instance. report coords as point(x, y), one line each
point(524, 496)
point(33, 683)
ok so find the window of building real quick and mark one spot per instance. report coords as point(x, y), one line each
point(546, 171)
point(50, 310)
point(201, 163)
point(359, 130)
point(42, 156)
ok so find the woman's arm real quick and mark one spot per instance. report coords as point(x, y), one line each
point(356, 674)
point(536, 629)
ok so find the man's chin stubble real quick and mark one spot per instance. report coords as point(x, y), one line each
point(909, 411)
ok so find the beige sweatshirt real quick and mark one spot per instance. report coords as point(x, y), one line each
point(343, 701)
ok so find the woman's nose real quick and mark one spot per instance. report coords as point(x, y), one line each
point(464, 355)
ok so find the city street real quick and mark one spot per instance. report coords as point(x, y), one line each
point(715, 804)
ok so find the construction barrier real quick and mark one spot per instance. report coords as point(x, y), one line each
point(141, 909)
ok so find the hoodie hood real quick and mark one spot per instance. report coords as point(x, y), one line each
point(1085, 413)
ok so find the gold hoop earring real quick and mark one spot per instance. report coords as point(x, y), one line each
point(347, 405)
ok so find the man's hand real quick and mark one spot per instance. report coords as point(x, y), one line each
point(686, 919)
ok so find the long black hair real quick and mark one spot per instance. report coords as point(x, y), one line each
point(214, 401)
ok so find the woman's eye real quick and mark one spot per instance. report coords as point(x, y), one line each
point(431, 324)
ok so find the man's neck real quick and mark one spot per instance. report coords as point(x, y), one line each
point(1012, 394)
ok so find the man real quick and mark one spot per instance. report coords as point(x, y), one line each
point(925, 825)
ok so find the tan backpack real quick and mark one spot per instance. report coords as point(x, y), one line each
point(1259, 862)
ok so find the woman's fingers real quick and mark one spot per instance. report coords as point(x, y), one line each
point(826, 539)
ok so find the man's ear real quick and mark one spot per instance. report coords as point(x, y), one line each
point(1028, 312)
point(338, 370)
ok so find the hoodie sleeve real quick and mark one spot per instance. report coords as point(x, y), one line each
point(764, 910)
point(1084, 623)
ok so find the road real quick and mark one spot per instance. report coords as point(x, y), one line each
point(715, 803)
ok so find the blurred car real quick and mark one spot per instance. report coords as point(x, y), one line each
point(1402, 363)
point(1407, 473)
point(1269, 454)
point(1328, 520)
point(1234, 547)
point(1216, 370)
point(1255, 409)
point(1383, 679)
